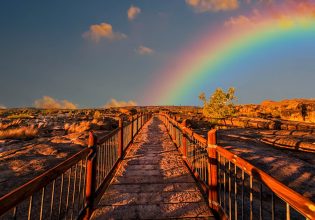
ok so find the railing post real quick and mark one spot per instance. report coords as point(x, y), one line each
point(120, 138)
point(212, 168)
point(132, 128)
point(137, 117)
point(90, 176)
point(184, 149)
point(141, 119)
point(174, 132)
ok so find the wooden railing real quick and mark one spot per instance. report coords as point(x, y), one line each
point(72, 189)
point(235, 188)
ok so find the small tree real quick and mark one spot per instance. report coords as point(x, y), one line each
point(220, 103)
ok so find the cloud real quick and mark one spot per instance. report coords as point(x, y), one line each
point(133, 12)
point(212, 5)
point(285, 15)
point(68, 105)
point(115, 103)
point(2, 107)
point(144, 50)
point(240, 20)
point(48, 102)
point(262, 2)
point(102, 30)
point(243, 20)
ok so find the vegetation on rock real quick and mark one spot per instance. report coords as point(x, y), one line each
point(19, 133)
point(220, 103)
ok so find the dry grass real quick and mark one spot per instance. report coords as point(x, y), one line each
point(77, 127)
point(12, 123)
point(19, 133)
point(18, 116)
point(4, 126)
point(97, 115)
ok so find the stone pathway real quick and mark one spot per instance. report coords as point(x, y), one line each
point(153, 182)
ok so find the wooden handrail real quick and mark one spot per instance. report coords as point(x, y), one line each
point(303, 205)
point(16, 196)
point(300, 203)
point(21, 193)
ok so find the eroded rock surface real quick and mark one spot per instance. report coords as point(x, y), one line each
point(302, 110)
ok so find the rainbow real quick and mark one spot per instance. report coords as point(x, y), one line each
point(204, 58)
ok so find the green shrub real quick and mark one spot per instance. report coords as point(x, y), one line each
point(220, 104)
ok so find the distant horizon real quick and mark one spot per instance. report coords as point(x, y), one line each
point(198, 106)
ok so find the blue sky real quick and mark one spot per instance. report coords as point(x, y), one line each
point(44, 52)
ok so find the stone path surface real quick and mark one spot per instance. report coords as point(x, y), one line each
point(153, 182)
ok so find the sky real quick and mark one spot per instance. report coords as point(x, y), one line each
point(79, 53)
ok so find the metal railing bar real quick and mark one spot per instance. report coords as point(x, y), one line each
point(68, 192)
point(224, 185)
point(235, 191)
point(42, 204)
point(288, 211)
point(219, 178)
point(260, 201)
point(251, 197)
point(60, 195)
point(14, 212)
point(243, 194)
point(52, 199)
point(272, 206)
point(21, 193)
point(79, 187)
point(74, 190)
point(30, 208)
point(102, 139)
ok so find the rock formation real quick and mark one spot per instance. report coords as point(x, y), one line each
point(302, 110)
